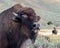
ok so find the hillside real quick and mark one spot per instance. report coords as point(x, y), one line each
point(48, 10)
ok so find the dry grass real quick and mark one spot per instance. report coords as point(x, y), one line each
point(54, 38)
point(48, 32)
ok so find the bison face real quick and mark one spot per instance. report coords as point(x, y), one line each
point(28, 17)
point(23, 19)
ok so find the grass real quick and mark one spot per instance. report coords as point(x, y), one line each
point(41, 42)
point(54, 38)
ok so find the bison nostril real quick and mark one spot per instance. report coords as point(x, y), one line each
point(34, 25)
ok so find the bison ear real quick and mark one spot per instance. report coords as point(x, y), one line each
point(16, 18)
point(37, 18)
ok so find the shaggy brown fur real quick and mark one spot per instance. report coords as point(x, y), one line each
point(11, 33)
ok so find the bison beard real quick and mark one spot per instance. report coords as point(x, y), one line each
point(13, 32)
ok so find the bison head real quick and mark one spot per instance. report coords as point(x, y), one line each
point(27, 16)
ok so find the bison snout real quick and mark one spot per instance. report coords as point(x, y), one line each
point(36, 27)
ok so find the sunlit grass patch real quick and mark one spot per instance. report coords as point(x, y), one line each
point(54, 38)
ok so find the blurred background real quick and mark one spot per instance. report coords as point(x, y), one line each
point(49, 10)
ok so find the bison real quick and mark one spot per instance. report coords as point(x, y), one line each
point(54, 31)
point(16, 25)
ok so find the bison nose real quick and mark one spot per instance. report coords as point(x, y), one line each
point(36, 26)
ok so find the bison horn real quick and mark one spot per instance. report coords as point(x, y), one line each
point(15, 18)
point(18, 18)
point(15, 14)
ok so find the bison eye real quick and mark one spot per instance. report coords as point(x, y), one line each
point(25, 16)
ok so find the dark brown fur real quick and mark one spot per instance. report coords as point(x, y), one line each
point(11, 33)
